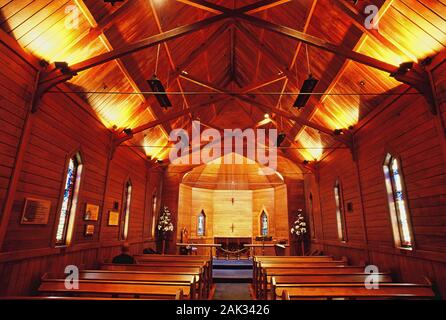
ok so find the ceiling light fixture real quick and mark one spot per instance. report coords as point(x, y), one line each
point(113, 1)
point(157, 86)
point(307, 87)
point(404, 68)
point(161, 95)
point(280, 138)
point(338, 132)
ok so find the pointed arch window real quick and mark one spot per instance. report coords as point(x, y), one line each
point(264, 224)
point(154, 212)
point(126, 210)
point(340, 215)
point(67, 211)
point(399, 210)
point(201, 224)
point(311, 214)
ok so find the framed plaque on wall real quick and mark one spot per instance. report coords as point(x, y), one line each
point(89, 230)
point(91, 212)
point(36, 211)
point(113, 218)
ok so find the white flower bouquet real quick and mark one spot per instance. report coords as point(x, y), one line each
point(165, 222)
point(299, 226)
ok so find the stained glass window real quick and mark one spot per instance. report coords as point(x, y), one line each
point(69, 200)
point(154, 212)
point(126, 210)
point(340, 218)
point(397, 202)
point(201, 225)
point(312, 229)
point(264, 224)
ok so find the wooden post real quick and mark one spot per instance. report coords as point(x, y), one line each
point(15, 175)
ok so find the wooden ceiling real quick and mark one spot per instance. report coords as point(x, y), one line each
point(230, 55)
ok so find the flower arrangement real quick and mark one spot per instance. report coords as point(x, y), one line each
point(299, 226)
point(165, 222)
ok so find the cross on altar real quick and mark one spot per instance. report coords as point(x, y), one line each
point(232, 228)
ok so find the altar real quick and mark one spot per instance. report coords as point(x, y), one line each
point(233, 247)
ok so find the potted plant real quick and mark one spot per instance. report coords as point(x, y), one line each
point(165, 227)
point(299, 229)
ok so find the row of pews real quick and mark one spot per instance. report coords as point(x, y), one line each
point(324, 277)
point(154, 277)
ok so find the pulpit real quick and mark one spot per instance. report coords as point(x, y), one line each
point(233, 247)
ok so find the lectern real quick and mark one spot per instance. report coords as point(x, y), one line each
point(263, 239)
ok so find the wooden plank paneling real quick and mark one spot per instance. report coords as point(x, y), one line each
point(408, 130)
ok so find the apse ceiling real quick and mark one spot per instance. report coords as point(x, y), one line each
point(264, 68)
point(245, 174)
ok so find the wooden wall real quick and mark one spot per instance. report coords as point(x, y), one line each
point(227, 212)
point(221, 212)
point(34, 149)
point(408, 129)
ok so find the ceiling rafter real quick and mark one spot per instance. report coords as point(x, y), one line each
point(166, 118)
point(199, 50)
point(98, 27)
point(264, 49)
point(292, 135)
point(232, 41)
point(149, 102)
point(297, 130)
point(411, 78)
point(169, 55)
point(252, 8)
point(355, 17)
point(53, 76)
point(297, 51)
point(266, 108)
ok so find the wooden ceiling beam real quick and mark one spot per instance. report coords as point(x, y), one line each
point(265, 50)
point(56, 75)
point(169, 55)
point(199, 50)
point(98, 27)
point(268, 109)
point(261, 84)
point(264, 5)
point(322, 44)
point(411, 78)
point(298, 48)
point(357, 19)
point(251, 8)
point(138, 85)
point(169, 117)
point(232, 41)
point(296, 130)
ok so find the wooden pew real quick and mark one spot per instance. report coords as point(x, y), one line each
point(257, 260)
point(354, 291)
point(259, 270)
point(202, 279)
point(294, 258)
point(129, 276)
point(177, 259)
point(115, 289)
point(360, 278)
point(39, 298)
point(268, 273)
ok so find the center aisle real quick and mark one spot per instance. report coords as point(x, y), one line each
point(232, 279)
point(232, 291)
